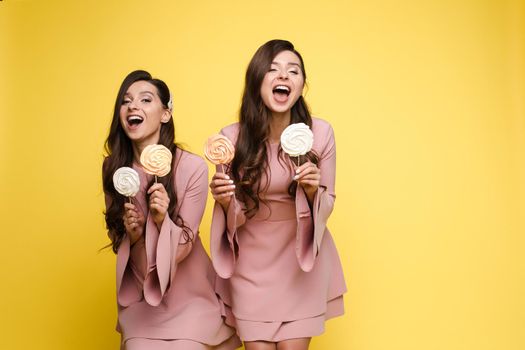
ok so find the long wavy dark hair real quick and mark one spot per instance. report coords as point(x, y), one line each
point(250, 160)
point(119, 152)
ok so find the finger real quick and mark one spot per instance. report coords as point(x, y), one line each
point(220, 176)
point(130, 206)
point(218, 182)
point(309, 170)
point(160, 195)
point(157, 187)
point(160, 202)
point(305, 169)
point(308, 177)
point(130, 210)
point(303, 166)
point(221, 189)
point(223, 195)
point(158, 208)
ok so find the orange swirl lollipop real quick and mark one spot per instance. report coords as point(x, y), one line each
point(156, 160)
point(219, 149)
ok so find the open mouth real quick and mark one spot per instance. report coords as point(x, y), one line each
point(281, 93)
point(134, 120)
point(281, 90)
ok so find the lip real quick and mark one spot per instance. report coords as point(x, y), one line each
point(288, 86)
point(281, 92)
point(134, 117)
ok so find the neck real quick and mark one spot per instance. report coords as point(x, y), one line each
point(138, 147)
point(278, 122)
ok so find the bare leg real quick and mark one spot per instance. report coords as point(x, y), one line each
point(259, 345)
point(294, 344)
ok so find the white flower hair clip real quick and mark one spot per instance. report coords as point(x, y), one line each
point(170, 103)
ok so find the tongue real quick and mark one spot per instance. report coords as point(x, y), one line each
point(280, 96)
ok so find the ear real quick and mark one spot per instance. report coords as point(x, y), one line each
point(166, 116)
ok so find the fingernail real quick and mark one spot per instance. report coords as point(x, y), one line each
point(231, 181)
point(297, 171)
point(295, 177)
point(227, 177)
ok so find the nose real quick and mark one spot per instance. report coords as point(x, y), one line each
point(132, 105)
point(283, 74)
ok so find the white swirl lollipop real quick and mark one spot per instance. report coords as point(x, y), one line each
point(297, 139)
point(156, 160)
point(126, 181)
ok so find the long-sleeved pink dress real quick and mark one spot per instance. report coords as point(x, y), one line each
point(279, 270)
point(165, 289)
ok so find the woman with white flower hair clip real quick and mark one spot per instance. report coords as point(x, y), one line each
point(165, 280)
point(278, 265)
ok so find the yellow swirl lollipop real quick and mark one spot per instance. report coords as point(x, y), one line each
point(156, 160)
point(219, 149)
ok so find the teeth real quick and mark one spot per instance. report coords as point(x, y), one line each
point(282, 87)
point(134, 117)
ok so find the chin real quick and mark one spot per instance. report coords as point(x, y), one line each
point(280, 108)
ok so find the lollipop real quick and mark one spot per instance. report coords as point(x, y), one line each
point(126, 182)
point(297, 139)
point(219, 149)
point(156, 160)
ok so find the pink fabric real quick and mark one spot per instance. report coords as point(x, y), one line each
point(165, 289)
point(281, 265)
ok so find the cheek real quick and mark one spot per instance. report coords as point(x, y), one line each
point(122, 113)
point(266, 89)
point(299, 83)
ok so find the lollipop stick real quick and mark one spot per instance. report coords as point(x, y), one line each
point(222, 168)
point(155, 178)
point(130, 200)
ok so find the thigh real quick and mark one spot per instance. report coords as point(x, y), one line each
point(259, 345)
point(157, 344)
point(294, 344)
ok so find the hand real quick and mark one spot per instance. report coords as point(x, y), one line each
point(308, 177)
point(159, 202)
point(133, 222)
point(222, 189)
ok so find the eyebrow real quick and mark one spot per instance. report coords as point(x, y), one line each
point(142, 92)
point(289, 63)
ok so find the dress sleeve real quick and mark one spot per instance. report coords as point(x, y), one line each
point(311, 222)
point(224, 245)
point(167, 247)
point(128, 288)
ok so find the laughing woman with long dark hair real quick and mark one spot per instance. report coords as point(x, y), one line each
point(165, 280)
point(279, 268)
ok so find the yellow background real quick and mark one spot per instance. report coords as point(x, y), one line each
point(427, 99)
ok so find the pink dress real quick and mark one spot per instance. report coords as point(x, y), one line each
point(165, 289)
point(279, 270)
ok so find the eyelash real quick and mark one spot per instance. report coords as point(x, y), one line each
point(144, 100)
point(292, 71)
